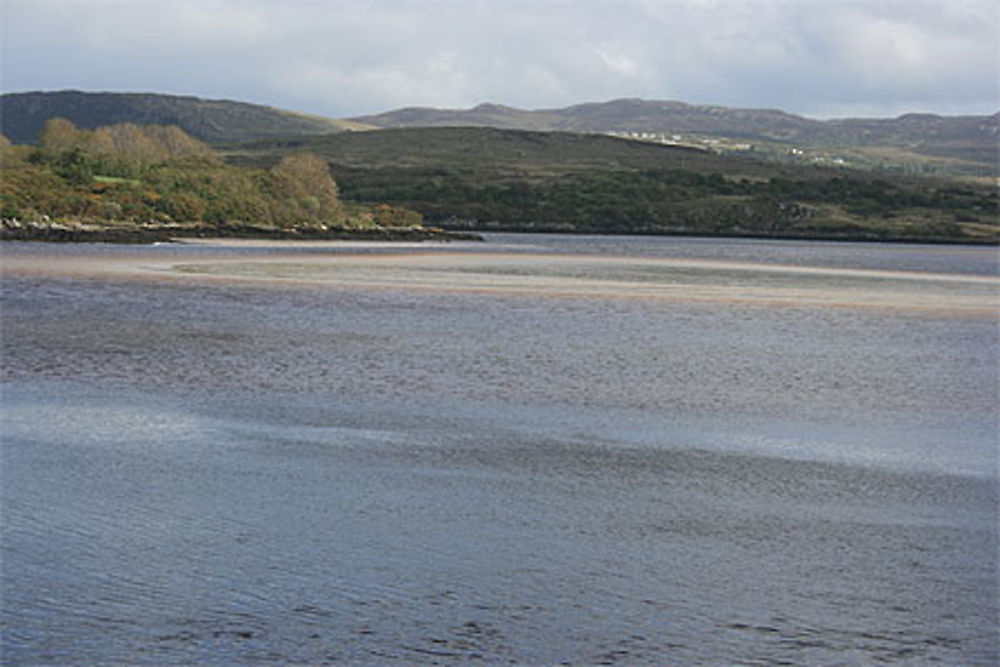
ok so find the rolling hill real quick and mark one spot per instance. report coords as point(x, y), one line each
point(972, 139)
point(491, 153)
point(22, 115)
point(497, 179)
point(464, 173)
point(636, 115)
point(967, 146)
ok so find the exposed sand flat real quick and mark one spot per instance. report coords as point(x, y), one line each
point(265, 243)
point(552, 275)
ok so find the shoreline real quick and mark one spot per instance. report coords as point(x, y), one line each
point(150, 235)
point(139, 235)
point(693, 233)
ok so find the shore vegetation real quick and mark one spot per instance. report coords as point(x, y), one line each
point(126, 181)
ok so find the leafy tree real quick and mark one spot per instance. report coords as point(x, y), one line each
point(175, 142)
point(304, 185)
point(59, 136)
point(134, 145)
point(76, 166)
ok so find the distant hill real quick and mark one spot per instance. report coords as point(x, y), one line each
point(635, 115)
point(475, 178)
point(22, 115)
point(482, 156)
point(966, 146)
point(968, 138)
point(492, 153)
point(624, 115)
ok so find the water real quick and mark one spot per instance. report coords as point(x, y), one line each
point(537, 450)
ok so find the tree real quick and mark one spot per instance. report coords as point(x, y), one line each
point(59, 136)
point(305, 180)
point(134, 145)
point(175, 142)
point(100, 142)
point(76, 166)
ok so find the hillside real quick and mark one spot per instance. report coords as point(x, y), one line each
point(491, 153)
point(576, 181)
point(624, 115)
point(488, 178)
point(925, 142)
point(22, 115)
point(965, 146)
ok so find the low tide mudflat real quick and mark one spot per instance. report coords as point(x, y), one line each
point(534, 450)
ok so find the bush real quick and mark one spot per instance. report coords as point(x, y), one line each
point(385, 215)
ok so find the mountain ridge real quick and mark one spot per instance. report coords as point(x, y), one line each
point(672, 116)
point(913, 143)
point(967, 146)
point(24, 114)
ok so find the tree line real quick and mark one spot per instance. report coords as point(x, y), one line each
point(132, 174)
point(674, 200)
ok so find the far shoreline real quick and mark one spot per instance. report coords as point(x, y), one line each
point(682, 233)
point(137, 235)
point(149, 235)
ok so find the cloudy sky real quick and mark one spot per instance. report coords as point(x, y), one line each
point(821, 58)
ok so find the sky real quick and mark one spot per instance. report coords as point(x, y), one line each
point(340, 58)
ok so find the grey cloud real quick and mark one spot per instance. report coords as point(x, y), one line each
point(351, 57)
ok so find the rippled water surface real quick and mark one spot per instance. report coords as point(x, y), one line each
point(536, 450)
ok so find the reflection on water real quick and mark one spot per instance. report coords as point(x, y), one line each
point(538, 450)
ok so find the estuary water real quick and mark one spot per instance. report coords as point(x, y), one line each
point(533, 450)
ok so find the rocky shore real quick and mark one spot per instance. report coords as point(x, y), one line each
point(12, 229)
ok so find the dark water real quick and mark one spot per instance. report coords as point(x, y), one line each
point(300, 472)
